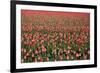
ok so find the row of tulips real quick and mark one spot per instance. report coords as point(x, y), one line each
point(55, 28)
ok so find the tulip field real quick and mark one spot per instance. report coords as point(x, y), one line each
point(48, 36)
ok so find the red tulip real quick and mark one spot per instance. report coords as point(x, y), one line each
point(43, 49)
point(67, 57)
point(77, 55)
point(24, 51)
point(65, 50)
point(25, 57)
point(68, 51)
point(27, 54)
point(35, 59)
point(33, 40)
point(84, 56)
point(47, 59)
point(32, 54)
point(36, 52)
point(41, 60)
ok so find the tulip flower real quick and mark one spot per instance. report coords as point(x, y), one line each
point(43, 49)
